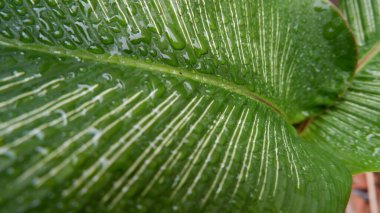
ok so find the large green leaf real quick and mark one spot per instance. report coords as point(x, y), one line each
point(351, 130)
point(249, 43)
point(168, 105)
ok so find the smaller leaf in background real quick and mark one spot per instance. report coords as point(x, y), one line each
point(363, 17)
point(351, 130)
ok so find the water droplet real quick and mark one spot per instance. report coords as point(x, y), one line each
point(76, 39)
point(38, 133)
point(7, 153)
point(376, 152)
point(126, 47)
point(26, 36)
point(69, 44)
point(45, 39)
point(6, 32)
point(58, 33)
point(143, 50)
point(107, 76)
point(176, 40)
point(51, 3)
point(104, 162)
point(17, 2)
point(188, 87)
point(169, 59)
point(30, 21)
point(358, 133)
point(114, 27)
point(320, 6)
point(153, 52)
point(97, 49)
point(201, 47)
point(106, 39)
point(149, 60)
point(371, 136)
point(137, 38)
point(4, 15)
point(59, 13)
point(330, 32)
point(42, 150)
point(21, 11)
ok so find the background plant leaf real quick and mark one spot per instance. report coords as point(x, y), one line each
point(168, 105)
point(363, 17)
point(351, 130)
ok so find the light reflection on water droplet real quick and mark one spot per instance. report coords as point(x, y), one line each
point(376, 152)
point(372, 136)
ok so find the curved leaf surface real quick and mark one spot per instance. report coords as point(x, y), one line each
point(295, 54)
point(168, 105)
point(363, 17)
point(87, 136)
point(351, 130)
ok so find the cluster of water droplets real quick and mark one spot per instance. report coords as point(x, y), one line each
point(247, 43)
point(110, 28)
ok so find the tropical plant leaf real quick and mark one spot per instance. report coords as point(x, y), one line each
point(103, 137)
point(231, 40)
point(168, 105)
point(351, 130)
point(363, 17)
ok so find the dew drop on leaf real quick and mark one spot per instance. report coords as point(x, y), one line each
point(175, 39)
point(21, 11)
point(372, 136)
point(319, 6)
point(58, 33)
point(17, 2)
point(143, 50)
point(42, 150)
point(51, 3)
point(4, 15)
point(69, 44)
point(26, 37)
point(45, 39)
point(7, 153)
point(330, 32)
point(106, 39)
point(97, 49)
point(376, 152)
point(6, 32)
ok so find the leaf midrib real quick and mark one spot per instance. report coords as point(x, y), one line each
point(153, 67)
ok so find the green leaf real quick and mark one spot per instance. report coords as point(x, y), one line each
point(168, 105)
point(284, 52)
point(363, 17)
point(351, 130)
point(97, 137)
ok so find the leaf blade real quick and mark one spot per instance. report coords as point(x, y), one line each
point(157, 94)
point(257, 48)
point(165, 146)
